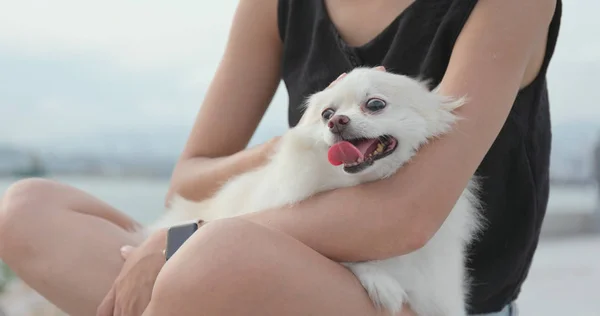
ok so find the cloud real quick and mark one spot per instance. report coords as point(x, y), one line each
point(579, 31)
point(573, 91)
point(73, 70)
point(134, 34)
point(71, 103)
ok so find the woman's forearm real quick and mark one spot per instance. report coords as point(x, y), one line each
point(356, 223)
point(198, 178)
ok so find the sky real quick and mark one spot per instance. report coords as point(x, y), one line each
point(76, 74)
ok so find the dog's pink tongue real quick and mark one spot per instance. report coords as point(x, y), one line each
point(343, 153)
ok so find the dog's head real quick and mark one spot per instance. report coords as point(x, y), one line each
point(373, 121)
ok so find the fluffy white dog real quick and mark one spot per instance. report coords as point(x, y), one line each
point(362, 129)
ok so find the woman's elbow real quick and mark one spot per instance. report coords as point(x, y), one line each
point(418, 240)
point(400, 241)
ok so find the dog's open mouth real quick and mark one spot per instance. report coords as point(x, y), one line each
point(358, 154)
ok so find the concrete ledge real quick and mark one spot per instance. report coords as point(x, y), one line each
point(557, 225)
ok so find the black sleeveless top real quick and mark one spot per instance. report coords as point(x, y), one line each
point(418, 43)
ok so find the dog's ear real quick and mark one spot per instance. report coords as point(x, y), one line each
point(311, 111)
point(450, 104)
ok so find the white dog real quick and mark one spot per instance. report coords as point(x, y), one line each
point(362, 129)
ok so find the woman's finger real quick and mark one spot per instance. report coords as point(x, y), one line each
point(107, 307)
point(126, 251)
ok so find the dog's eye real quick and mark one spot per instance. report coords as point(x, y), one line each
point(327, 113)
point(374, 105)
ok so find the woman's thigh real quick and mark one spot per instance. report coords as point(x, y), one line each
point(63, 242)
point(234, 267)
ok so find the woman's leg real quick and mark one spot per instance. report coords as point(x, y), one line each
point(233, 267)
point(63, 242)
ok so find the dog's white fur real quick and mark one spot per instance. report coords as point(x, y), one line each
point(431, 279)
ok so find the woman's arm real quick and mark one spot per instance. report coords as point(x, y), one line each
point(499, 50)
point(235, 102)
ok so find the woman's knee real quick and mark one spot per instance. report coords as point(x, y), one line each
point(224, 260)
point(235, 267)
point(222, 250)
point(20, 204)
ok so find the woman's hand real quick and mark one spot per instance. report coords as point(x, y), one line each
point(268, 148)
point(198, 178)
point(131, 291)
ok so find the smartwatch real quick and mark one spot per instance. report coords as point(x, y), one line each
point(177, 235)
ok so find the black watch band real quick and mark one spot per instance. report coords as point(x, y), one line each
point(178, 234)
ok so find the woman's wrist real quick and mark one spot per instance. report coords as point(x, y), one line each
point(198, 178)
point(159, 236)
point(269, 147)
point(259, 155)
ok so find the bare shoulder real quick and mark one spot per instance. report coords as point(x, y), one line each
point(517, 24)
point(498, 51)
point(502, 38)
point(537, 12)
point(243, 85)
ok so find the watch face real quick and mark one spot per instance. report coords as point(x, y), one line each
point(177, 235)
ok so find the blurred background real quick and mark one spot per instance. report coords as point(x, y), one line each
point(102, 95)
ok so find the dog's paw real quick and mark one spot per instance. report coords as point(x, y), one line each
point(385, 291)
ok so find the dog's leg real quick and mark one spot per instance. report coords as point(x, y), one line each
point(442, 290)
point(450, 304)
point(385, 291)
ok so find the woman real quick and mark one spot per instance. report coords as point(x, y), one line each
point(278, 262)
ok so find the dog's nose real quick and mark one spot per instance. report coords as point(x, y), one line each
point(338, 122)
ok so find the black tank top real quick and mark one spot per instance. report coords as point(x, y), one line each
point(418, 43)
